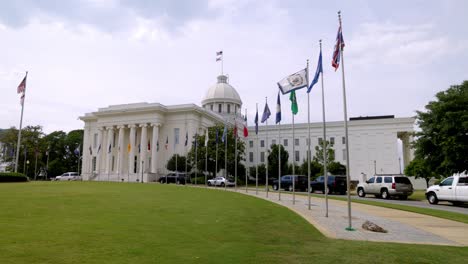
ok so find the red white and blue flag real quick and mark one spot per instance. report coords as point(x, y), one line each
point(22, 89)
point(339, 45)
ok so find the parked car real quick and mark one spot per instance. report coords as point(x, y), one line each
point(453, 189)
point(336, 184)
point(220, 181)
point(300, 183)
point(68, 176)
point(386, 186)
point(177, 178)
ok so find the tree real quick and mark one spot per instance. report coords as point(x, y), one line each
point(315, 169)
point(318, 157)
point(171, 163)
point(201, 151)
point(419, 169)
point(442, 144)
point(273, 161)
point(261, 173)
point(336, 168)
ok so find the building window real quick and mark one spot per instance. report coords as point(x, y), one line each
point(296, 141)
point(251, 156)
point(262, 143)
point(135, 164)
point(332, 140)
point(344, 154)
point(94, 163)
point(251, 143)
point(320, 141)
point(285, 142)
point(95, 140)
point(297, 156)
point(262, 156)
point(229, 108)
point(114, 139)
point(113, 163)
point(307, 141)
point(343, 140)
point(211, 107)
point(273, 142)
point(220, 107)
point(176, 135)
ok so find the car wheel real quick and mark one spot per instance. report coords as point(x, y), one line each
point(222, 184)
point(290, 188)
point(432, 198)
point(384, 194)
point(209, 183)
point(311, 190)
point(275, 187)
point(361, 192)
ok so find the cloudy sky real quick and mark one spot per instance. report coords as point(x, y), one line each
point(86, 54)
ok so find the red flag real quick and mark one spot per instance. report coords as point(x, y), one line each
point(235, 130)
point(22, 86)
point(246, 131)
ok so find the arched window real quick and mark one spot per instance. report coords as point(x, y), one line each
point(229, 108)
point(220, 107)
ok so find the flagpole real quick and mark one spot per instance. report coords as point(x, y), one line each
point(235, 158)
point(196, 157)
point(266, 151)
point(246, 177)
point(206, 158)
point(325, 170)
point(225, 155)
point(47, 163)
point(256, 163)
point(279, 161)
point(294, 163)
point(308, 147)
point(348, 181)
point(18, 145)
point(216, 167)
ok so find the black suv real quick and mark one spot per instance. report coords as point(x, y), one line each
point(178, 178)
point(300, 183)
point(336, 184)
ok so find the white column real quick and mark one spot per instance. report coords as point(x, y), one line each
point(144, 147)
point(131, 155)
point(110, 138)
point(99, 152)
point(86, 156)
point(154, 152)
point(121, 150)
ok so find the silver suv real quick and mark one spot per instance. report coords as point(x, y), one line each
point(386, 186)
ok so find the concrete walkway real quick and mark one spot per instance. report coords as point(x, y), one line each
point(402, 226)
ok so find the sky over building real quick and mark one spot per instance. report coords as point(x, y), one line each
point(86, 54)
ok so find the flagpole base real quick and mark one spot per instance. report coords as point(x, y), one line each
point(350, 229)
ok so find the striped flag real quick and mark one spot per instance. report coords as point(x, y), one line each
point(22, 89)
point(219, 55)
point(278, 109)
point(339, 45)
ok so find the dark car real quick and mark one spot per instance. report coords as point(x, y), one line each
point(300, 183)
point(336, 184)
point(178, 178)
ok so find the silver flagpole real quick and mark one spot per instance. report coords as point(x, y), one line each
point(256, 163)
point(216, 166)
point(225, 156)
point(246, 177)
point(279, 161)
point(324, 143)
point(235, 158)
point(294, 163)
point(308, 147)
point(18, 145)
point(348, 181)
point(266, 152)
point(206, 159)
point(196, 157)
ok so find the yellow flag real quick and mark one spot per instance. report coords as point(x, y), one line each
point(129, 147)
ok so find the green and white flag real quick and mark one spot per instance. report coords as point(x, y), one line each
point(294, 81)
point(294, 107)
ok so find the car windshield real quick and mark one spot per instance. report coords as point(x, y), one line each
point(403, 180)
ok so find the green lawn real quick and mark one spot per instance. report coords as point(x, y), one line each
point(85, 222)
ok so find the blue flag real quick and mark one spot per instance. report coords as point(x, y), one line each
point(266, 113)
point(223, 138)
point(317, 73)
point(256, 122)
point(77, 150)
point(278, 109)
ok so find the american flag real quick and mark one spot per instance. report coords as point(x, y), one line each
point(22, 86)
point(339, 44)
point(219, 55)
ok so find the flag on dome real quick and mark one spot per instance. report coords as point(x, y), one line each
point(294, 81)
point(219, 55)
point(266, 113)
point(278, 109)
point(339, 44)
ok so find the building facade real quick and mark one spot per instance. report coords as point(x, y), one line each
point(133, 142)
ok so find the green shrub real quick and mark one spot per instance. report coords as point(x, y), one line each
point(13, 177)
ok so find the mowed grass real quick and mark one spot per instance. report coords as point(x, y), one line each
point(88, 222)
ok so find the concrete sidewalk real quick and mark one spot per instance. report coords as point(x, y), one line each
point(402, 226)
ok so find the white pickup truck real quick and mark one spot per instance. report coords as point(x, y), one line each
point(454, 189)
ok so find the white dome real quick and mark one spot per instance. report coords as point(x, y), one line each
point(222, 92)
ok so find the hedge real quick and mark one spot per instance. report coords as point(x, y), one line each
point(13, 177)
